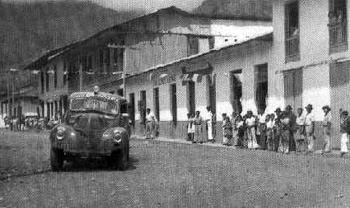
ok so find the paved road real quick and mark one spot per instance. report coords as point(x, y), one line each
point(164, 174)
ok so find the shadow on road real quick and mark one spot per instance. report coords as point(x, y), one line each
point(83, 165)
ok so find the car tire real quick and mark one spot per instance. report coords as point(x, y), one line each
point(120, 159)
point(56, 159)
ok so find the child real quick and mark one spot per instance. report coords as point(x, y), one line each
point(269, 132)
point(190, 127)
point(227, 130)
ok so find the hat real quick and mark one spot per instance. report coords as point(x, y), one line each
point(326, 107)
point(309, 106)
point(278, 110)
point(289, 107)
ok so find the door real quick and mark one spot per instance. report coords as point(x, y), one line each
point(132, 107)
point(340, 93)
point(156, 102)
point(293, 88)
point(236, 90)
point(191, 97)
point(211, 92)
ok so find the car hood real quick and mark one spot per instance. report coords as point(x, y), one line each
point(92, 122)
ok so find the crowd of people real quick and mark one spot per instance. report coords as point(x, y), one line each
point(21, 123)
point(281, 131)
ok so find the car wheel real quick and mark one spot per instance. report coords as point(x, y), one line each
point(56, 159)
point(120, 160)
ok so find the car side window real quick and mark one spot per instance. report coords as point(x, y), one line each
point(124, 108)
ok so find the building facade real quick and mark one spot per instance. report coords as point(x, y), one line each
point(230, 79)
point(130, 48)
point(311, 56)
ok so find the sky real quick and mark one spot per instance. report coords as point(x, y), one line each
point(148, 5)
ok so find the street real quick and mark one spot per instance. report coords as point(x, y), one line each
point(169, 174)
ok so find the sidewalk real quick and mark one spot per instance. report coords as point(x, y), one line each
point(333, 154)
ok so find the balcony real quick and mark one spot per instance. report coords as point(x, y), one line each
point(292, 48)
point(338, 37)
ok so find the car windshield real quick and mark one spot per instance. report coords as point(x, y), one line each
point(96, 104)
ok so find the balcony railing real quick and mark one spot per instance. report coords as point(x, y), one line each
point(292, 48)
point(338, 37)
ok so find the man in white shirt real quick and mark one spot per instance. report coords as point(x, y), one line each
point(327, 129)
point(151, 122)
point(299, 131)
point(208, 117)
point(310, 127)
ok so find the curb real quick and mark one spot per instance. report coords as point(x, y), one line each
point(317, 153)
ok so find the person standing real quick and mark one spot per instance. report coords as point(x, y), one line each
point(190, 127)
point(251, 132)
point(299, 131)
point(261, 129)
point(292, 118)
point(277, 128)
point(208, 117)
point(285, 132)
point(269, 132)
point(327, 124)
point(310, 128)
point(227, 130)
point(239, 125)
point(234, 129)
point(198, 123)
point(151, 122)
point(344, 130)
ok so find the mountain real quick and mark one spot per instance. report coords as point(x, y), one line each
point(244, 9)
point(27, 30)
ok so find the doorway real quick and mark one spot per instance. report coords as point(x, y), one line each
point(236, 90)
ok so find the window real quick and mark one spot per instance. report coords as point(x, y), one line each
point(42, 80)
point(156, 102)
point(293, 88)
point(173, 101)
point(118, 59)
point(55, 75)
point(337, 25)
point(47, 79)
point(124, 107)
point(261, 86)
point(292, 31)
point(191, 97)
point(193, 45)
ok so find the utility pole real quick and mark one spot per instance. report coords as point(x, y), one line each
point(124, 74)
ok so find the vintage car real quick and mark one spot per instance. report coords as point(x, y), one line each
point(96, 125)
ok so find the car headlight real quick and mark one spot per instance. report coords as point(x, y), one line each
point(60, 133)
point(117, 137)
